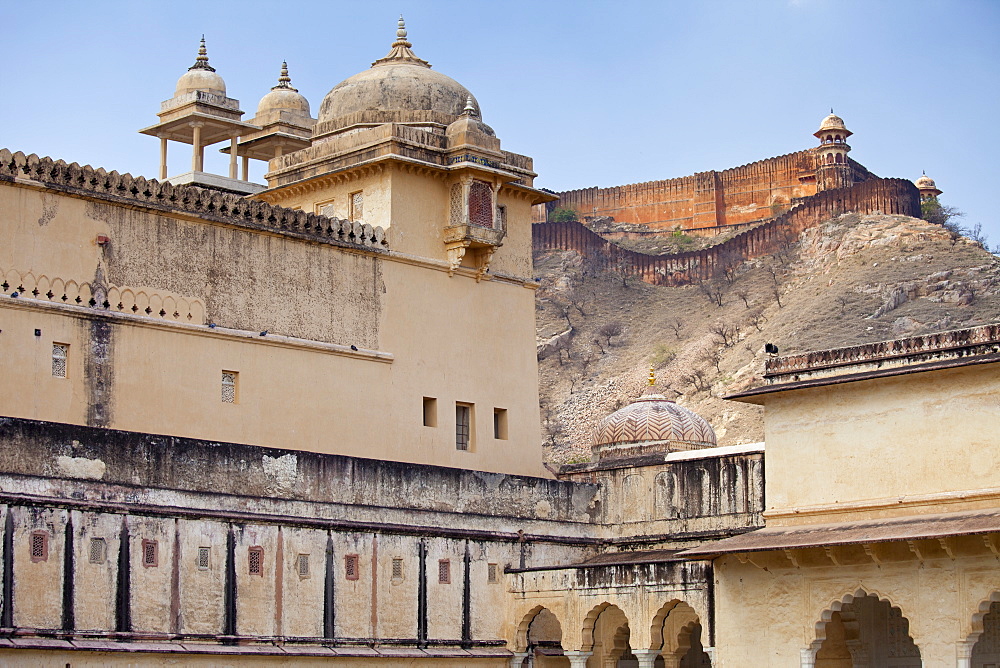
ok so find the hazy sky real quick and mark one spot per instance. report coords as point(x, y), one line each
point(598, 93)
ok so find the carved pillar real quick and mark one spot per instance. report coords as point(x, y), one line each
point(197, 156)
point(647, 657)
point(246, 167)
point(163, 158)
point(517, 659)
point(964, 654)
point(232, 157)
point(577, 659)
point(807, 658)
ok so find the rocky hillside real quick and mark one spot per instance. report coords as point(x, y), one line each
point(854, 279)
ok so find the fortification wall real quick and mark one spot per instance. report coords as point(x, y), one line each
point(706, 199)
point(892, 196)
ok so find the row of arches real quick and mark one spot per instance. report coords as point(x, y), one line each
point(607, 640)
point(835, 158)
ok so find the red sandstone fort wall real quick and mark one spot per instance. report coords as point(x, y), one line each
point(891, 196)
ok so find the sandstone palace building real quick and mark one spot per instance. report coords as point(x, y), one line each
point(297, 422)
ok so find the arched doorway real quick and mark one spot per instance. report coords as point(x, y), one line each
point(864, 631)
point(986, 651)
point(606, 634)
point(677, 632)
point(540, 636)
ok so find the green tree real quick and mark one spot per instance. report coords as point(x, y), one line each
point(563, 216)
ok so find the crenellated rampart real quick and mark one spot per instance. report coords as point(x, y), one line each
point(890, 196)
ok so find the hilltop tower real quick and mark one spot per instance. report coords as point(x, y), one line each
point(928, 189)
point(832, 164)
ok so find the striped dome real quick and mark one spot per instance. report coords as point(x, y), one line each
point(651, 424)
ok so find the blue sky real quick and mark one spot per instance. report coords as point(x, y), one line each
point(598, 93)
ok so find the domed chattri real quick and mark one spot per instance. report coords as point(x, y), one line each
point(649, 425)
point(832, 122)
point(201, 76)
point(398, 88)
point(284, 97)
point(925, 182)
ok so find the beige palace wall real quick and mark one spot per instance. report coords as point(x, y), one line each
point(421, 333)
point(772, 615)
point(889, 442)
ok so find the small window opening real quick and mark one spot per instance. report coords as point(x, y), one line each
point(255, 560)
point(500, 423)
point(397, 569)
point(98, 550)
point(444, 571)
point(303, 565)
point(229, 387)
point(150, 553)
point(351, 566)
point(430, 412)
point(324, 208)
point(357, 205)
point(60, 352)
point(39, 546)
point(204, 558)
point(463, 424)
point(493, 573)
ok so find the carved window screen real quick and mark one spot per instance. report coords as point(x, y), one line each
point(59, 354)
point(444, 571)
point(303, 565)
point(481, 207)
point(229, 387)
point(150, 554)
point(457, 205)
point(39, 546)
point(255, 561)
point(98, 550)
point(204, 558)
point(351, 567)
point(493, 573)
point(357, 205)
point(397, 569)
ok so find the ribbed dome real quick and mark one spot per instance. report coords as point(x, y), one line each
point(201, 76)
point(284, 97)
point(832, 122)
point(650, 424)
point(401, 83)
point(925, 182)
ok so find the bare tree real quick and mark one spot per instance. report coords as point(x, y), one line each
point(776, 293)
point(756, 319)
point(575, 298)
point(622, 267)
point(728, 263)
point(773, 272)
point(712, 357)
point(713, 291)
point(610, 330)
point(597, 342)
point(729, 334)
point(698, 379)
point(677, 325)
point(842, 302)
point(744, 294)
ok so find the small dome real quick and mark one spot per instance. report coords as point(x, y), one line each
point(832, 122)
point(651, 424)
point(400, 83)
point(469, 121)
point(284, 97)
point(201, 76)
point(925, 182)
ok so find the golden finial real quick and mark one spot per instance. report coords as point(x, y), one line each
point(652, 376)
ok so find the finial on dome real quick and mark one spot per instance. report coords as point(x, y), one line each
point(470, 107)
point(652, 376)
point(285, 81)
point(201, 62)
point(400, 51)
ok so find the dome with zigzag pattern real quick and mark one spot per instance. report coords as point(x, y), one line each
point(651, 424)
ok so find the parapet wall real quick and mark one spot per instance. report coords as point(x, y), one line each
point(891, 196)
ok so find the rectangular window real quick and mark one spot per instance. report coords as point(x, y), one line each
point(430, 412)
point(444, 571)
point(255, 561)
point(500, 423)
point(303, 565)
point(324, 208)
point(150, 553)
point(357, 205)
point(351, 566)
point(229, 387)
point(204, 558)
point(397, 569)
point(39, 546)
point(501, 217)
point(98, 550)
point(60, 353)
point(492, 573)
point(481, 207)
point(463, 426)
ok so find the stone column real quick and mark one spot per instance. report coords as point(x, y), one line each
point(964, 654)
point(196, 154)
point(577, 659)
point(807, 658)
point(518, 658)
point(232, 157)
point(246, 167)
point(647, 657)
point(163, 158)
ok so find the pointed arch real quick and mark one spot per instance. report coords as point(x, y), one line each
point(523, 639)
point(843, 622)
